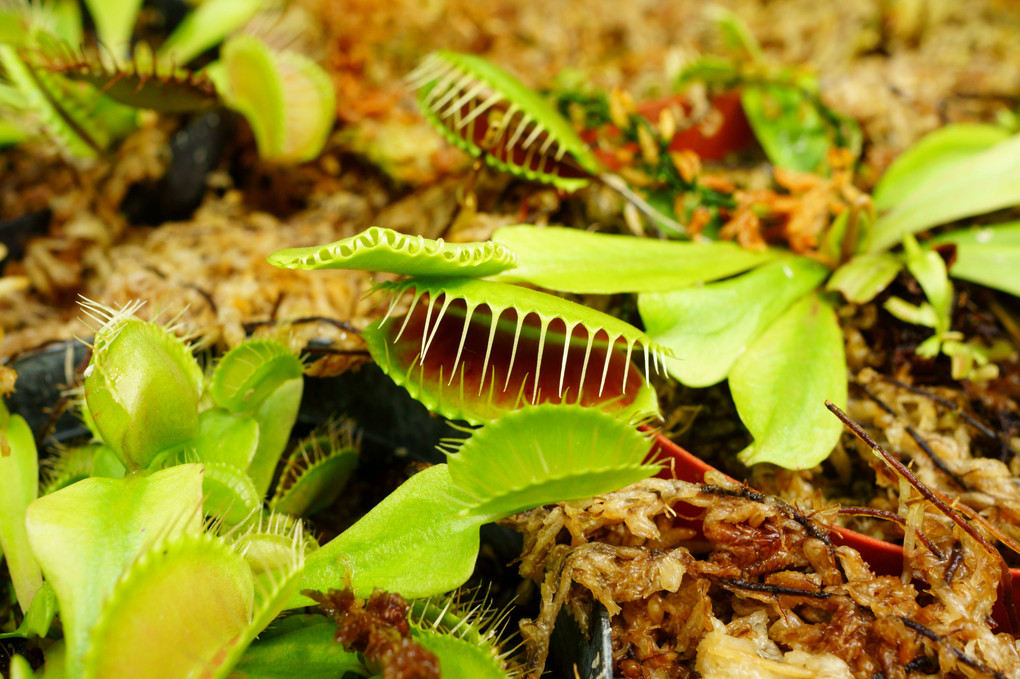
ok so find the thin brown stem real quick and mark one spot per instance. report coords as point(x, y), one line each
point(918, 439)
point(942, 504)
point(894, 518)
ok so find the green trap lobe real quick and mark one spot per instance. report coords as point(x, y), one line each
point(486, 112)
point(379, 249)
point(474, 360)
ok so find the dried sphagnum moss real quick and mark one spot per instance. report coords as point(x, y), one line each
point(685, 596)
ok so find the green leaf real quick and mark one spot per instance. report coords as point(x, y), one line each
point(379, 249)
point(55, 656)
point(544, 454)
point(142, 388)
point(276, 417)
point(987, 255)
point(929, 269)
point(175, 612)
point(63, 110)
point(11, 135)
point(287, 99)
point(864, 276)
point(307, 641)
point(980, 183)
point(924, 314)
point(85, 535)
point(206, 26)
point(781, 383)
point(933, 160)
point(317, 470)
point(226, 438)
point(710, 327)
point(416, 542)
point(247, 374)
point(788, 125)
point(115, 22)
point(106, 464)
point(735, 31)
point(67, 20)
point(459, 657)
point(20, 668)
point(571, 260)
point(229, 493)
point(19, 483)
point(39, 615)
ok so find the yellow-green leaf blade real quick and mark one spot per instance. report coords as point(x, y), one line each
point(176, 613)
point(571, 260)
point(984, 182)
point(989, 255)
point(781, 383)
point(19, 482)
point(414, 542)
point(85, 535)
point(710, 327)
point(864, 276)
point(932, 160)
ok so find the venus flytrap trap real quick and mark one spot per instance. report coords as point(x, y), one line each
point(260, 380)
point(316, 471)
point(473, 349)
point(463, 629)
point(85, 535)
point(142, 388)
point(287, 98)
point(486, 112)
point(422, 540)
point(83, 96)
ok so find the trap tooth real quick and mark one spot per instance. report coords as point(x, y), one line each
point(466, 358)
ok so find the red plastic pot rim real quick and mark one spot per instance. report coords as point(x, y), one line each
point(884, 558)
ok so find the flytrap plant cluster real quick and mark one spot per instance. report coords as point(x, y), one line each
point(82, 94)
point(772, 331)
point(156, 548)
point(764, 320)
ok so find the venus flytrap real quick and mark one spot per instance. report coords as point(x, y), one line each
point(262, 381)
point(464, 635)
point(148, 401)
point(124, 554)
point(19, 473)
point(486, 112)
point(85, 535)
point(286, 97)
point(422, 540)
point(316, 471)
point(142, 388)
point(84, 96)
point(118, 554)
point(473, 349)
